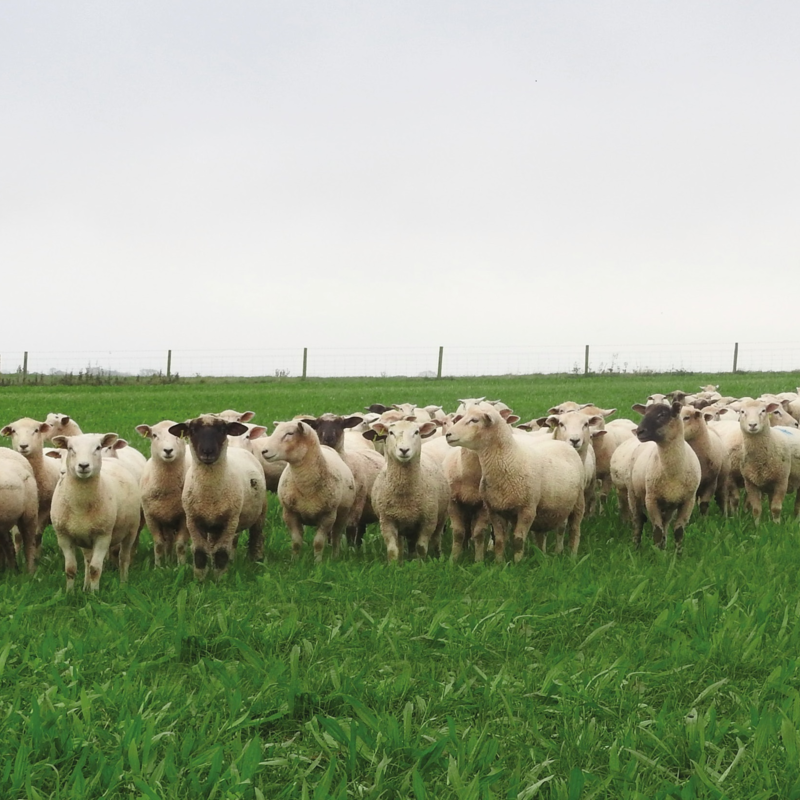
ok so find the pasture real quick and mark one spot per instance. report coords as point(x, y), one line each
point(618, 674)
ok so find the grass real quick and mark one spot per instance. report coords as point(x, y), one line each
point(618, 674)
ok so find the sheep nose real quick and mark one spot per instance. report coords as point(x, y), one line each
point(753, 426)
point(83, 466)
point(575, 442)
point(23, 448)
point(404, 451)
point(167, 451)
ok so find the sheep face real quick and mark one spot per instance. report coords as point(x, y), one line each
point(229, 415)
point(208, 435)
point(84, 453)
point(574, 428)
point(467, 429)
point(660, 421)
point(754, 415)
point(27, 435)
point(112, 450)
point(289, 442)
point(164, 445)
point(404, 438)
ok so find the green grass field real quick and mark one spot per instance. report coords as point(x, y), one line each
point(618, 674)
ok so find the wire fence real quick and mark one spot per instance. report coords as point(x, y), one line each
point(429, 362)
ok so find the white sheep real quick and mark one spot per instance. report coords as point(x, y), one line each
point(224, 493)
point(536, 485)
point(161, 486)
point(27, 438)
point(712, 455)
point(664, 476)
point(770, 459)
point(19, 508)
point(128, 456)
point(96, 504)
point(469, 516)
point(316, 488)
point(410, 494)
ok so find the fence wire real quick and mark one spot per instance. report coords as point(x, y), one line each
point(407, 361)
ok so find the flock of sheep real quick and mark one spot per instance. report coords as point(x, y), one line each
point(408, 468)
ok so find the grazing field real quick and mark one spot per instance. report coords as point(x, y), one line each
point(618, 674)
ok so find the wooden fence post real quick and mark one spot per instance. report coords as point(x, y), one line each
point(439, 368)
point(305, 362)
point(586, 361)
point(25, 367)
point(169, 364)
point(735, 355)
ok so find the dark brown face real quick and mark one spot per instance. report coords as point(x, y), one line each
point(653, 426)
point(330, 428)
point(208, 435)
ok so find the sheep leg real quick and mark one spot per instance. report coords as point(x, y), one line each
point(31, 534)
point(524, 522)
point(681, 521)
point(95, 566)
point(659, 524)
point(125, 556)
point(480, 532)
point(295, 527)
point(160, 540)
point(391, 539)
point(754, 498)
point(337, 530)
point(458, 522)
point(70, 562)
point(776, 502)
point(540, 538)
point(499, 528)
point(638, 517)
point(325, 531)
point(427, 534)
point(7, 554)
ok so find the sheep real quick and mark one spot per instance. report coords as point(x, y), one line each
point(316, 488)
point(575, 428)
point(410, 494)
point(224, 493)
point(62, 425)
point(27, 438)
point(19, 508)
point(536, 485)
point(364, 464)
point(161, 485)
point(770, 459)
point(229, 415)
point(712, 455)
point(469, 516)
point(96, 504)
point(664, 475)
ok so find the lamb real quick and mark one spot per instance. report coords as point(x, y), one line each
point(19, 507)
point(27, 438)
point(224, 493)
point(664, 476)
point(316, 488)
point(712, 455)
point(536, 485)
point(96, 504)
point(62, 425)
point(410, 494)
point(161, 486)
point(364, 464)
point(770, 459)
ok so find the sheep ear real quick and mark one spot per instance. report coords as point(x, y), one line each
point(45, 427)
point(427, 429)
point(53, 454)
point(256, 432)
point(487, 419)
point(373, 436)
point(246, 416)
point(512, 418)
point(145, 430)
point(708, 416)
point(6, 431)
point(300, 428)
point(554, 410)
point(551, 421)
point(65, 419)
point(312, 423)
point(60, 442)
point(597, 419)
point(351, 422)
point(598, 434)
point(109, 439)
point(607, 412)
point(638, 408)
point(772, 407)
point(236, 428)
point(179, 429)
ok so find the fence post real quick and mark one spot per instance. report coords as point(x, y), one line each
point(439, 368)
point(586, 361)
point(25, 367)
point(305, 362)
point(735, 355)
point(169, 364)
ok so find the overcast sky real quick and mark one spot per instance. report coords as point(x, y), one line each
point(258, 174)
